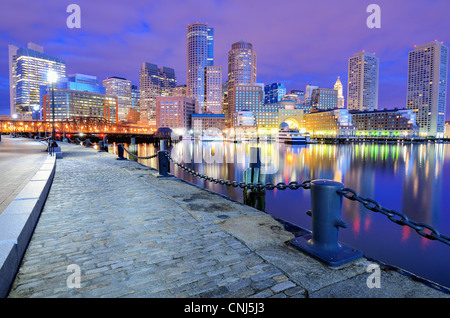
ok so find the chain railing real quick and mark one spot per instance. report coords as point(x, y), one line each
point(395, 216)
point(136, 156)
point(326, 204)
point(370, 204)
point(294, 185)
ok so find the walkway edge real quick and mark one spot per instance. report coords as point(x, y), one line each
point(18, 221)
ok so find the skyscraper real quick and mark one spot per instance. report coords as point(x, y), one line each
point(362, 93)
point(154, 81)
point(339, 87)
point(120, 87)
point(28, 70)
point(241, 70)
point(200, 54)
point(213, 89)
point(324, 98)
point(79, 95)
point(81, 82)
point(427, 87)
point(274, 92)
point(308, 94)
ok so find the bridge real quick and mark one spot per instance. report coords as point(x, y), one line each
point(74, 127)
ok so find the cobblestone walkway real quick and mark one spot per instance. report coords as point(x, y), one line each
point(129, 236)
point(132, 234)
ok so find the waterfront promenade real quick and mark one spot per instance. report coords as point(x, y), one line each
point(133, 234)
point(20, 159)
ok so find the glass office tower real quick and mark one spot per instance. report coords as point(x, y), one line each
point(120, 87)
point(274, 92)
point(200, 54)
point(28, 70)
point(154, 81)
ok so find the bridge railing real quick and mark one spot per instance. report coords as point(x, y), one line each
point(326, 207)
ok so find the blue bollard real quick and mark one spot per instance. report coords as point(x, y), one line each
point(163, 161)
point(323, 244)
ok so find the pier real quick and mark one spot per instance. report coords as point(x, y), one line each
point(132, 233)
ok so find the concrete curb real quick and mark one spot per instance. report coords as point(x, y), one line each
point(18, 220)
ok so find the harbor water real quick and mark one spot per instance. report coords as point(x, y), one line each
point(413, 178)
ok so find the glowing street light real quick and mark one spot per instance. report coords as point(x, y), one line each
point(52, 78)
point(14, 116)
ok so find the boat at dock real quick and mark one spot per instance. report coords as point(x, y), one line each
point(292, 137)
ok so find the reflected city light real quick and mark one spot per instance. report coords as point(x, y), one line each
point(407, 177)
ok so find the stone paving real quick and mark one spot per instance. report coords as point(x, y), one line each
point(133, 234)
point(20, 159)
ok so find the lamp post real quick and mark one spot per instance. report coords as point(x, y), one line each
point(52, 77)
point(14, 116)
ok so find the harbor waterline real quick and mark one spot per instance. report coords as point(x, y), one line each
point(411, 178)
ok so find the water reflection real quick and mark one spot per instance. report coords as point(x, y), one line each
point(411, 178)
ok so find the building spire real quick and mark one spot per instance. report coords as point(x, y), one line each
point(339, 87)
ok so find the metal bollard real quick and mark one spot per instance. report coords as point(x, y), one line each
point(163, 161)
point(120, 152)
point(323, 244)
point(105, 144)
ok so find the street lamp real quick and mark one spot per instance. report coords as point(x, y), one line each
point(52, 77)
point(14, 116)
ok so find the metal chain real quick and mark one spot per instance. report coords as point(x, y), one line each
point(294, 185)
point(135, 156)
point(370, 204)
point(395, 216)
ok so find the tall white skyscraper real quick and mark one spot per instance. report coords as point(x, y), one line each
point(363, 72)
point(241, 71)
point(200, 54)
point(427, 87)
point(28, 70)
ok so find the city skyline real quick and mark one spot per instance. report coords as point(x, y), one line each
point(113, 41)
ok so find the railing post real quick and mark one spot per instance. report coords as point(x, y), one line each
point(163, 161)
point(105, 144)
point(323, 244)
point(120, 152)
point(254, 198)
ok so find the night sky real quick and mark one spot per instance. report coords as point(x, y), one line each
point(297, 42)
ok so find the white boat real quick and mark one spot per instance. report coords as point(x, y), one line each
point(293, 137)
point(211, 137)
